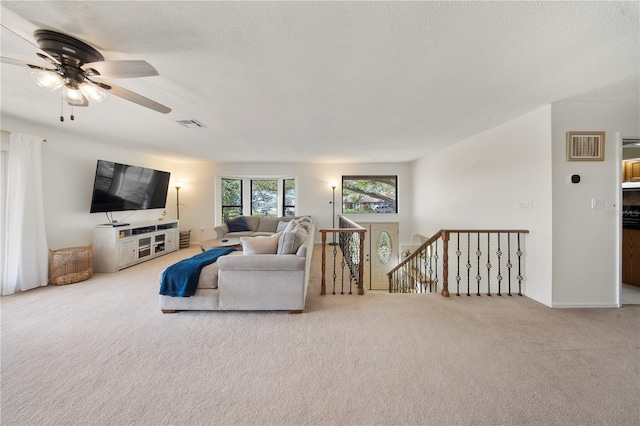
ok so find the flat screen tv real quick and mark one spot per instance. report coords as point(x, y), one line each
point(119, 187)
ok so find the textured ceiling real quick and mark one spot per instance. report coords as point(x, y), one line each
point(326, 81)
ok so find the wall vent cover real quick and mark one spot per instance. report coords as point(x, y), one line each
point(190, 123)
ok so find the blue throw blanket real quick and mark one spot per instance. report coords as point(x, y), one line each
point(181, 279)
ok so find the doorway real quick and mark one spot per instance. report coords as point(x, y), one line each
point(380, 253)
point(630, 212)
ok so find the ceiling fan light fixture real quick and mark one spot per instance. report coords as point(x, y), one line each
point(72, 96)
point(92, 93)
point(48, 80)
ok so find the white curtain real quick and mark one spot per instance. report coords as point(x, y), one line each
point(24, 250)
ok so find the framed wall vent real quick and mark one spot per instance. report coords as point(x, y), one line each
point(585, 146)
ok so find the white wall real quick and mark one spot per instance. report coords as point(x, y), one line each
point(586, 241)
point(68, 167)
point(476, 183)
point(571, 254)
point(201, 201)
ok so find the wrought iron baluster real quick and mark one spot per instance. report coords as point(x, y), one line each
point(509, 264)
point(424, 268)
point(418, 281)
point(468, 264)
point(519, 253)
point(488, 264)
point(430, 254)
point(458, 253)
point(334, 276)
point(342, 263)
point(414, 274)
point(353, 246)
point(435, 281)
point(478, 277)
point(499, 277)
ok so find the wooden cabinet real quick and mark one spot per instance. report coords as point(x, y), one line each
point(172, 239)
point(116, 248)
point(631, 171)
point(631, 257)
point(127, 252)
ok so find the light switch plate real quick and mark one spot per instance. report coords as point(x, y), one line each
point(523, 205)
point(597, 203)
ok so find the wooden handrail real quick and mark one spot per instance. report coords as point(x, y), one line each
point(438, 234)
point(445, 234)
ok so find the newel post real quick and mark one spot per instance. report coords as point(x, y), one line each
point(445, 263)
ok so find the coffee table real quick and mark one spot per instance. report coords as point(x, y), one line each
point(219, 243)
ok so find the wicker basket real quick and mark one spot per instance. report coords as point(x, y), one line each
point(185, 239)
point(71, 265)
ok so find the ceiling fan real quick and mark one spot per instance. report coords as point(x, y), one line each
point(78, 68)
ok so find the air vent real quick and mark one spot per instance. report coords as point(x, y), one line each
point(190, 123)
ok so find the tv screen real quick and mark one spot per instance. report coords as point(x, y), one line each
point(119, 187)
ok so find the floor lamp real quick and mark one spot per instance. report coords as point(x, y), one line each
point(177, 201)
point(333, 203)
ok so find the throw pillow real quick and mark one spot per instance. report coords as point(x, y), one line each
point(290, 225)
point(290, 242)
point(306, 226)
point(282, 225)
point(239, 224)
point(260, 245)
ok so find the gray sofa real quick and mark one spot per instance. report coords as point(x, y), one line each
point(254, 280)
point(251, 226)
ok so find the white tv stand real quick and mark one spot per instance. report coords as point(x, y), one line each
point(118, 247)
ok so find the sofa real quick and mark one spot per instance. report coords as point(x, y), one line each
point(270, 273)
point(252, 226)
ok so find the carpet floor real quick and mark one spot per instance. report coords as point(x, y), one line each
point(100, 352)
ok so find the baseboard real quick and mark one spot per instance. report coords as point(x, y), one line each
point(585, 305)
point(537, 299)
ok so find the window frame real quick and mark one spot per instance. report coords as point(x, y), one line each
point(286, 206)
point(246, 193)
point(277, 213)
point(230, 206)
point(391, 209)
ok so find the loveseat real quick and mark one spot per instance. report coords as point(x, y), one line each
point(270, 273)
point(251, 226)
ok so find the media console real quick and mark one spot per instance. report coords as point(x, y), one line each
point(116, 248)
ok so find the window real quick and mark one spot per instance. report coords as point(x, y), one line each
point(257, 196)
point(289, 197)
point(264, 197)
point(369, 194)
point(231, 198)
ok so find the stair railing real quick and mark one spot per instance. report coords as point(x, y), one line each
point(424, 268)
point(351, 243)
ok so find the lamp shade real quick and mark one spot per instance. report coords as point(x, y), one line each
point(48, 79)
point(72, 96)
point(92, 93)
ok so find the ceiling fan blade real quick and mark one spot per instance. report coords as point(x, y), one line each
point(24, 64)
point(120, 69)
point(136, 98)
point(41, 53)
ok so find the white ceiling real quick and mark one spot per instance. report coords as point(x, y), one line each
point(326, 81)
